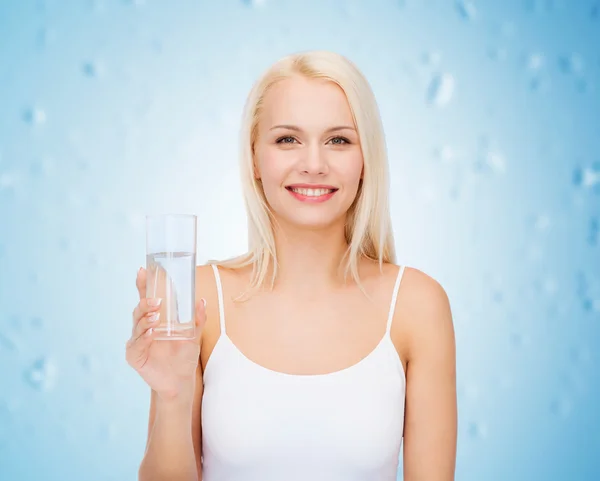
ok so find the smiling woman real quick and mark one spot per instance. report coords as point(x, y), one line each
point(324, 371)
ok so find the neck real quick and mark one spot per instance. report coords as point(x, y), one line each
point(309, 259)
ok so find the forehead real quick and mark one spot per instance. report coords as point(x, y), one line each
point(303, 101)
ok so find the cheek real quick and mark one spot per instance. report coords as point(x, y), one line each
point(272, 170)
point(351, 169)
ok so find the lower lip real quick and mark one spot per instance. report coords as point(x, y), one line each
point(311, 198)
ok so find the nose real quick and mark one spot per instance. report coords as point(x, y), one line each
point(314, 162)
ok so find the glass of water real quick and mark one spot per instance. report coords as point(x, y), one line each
point(171, 273)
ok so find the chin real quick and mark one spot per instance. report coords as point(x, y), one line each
point(311, 222)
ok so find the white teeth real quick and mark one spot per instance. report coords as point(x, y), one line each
point(311, 192)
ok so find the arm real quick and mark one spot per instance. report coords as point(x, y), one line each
point(430, 428)
point(174, 445)
point(173, 448)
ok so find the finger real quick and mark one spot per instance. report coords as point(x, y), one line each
point(148, 320)
point(143, 308)
point(137, 348)
point(140, 282)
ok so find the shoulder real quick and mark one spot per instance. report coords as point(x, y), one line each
point(206, 277)
point(206, 287)
point(423, 308)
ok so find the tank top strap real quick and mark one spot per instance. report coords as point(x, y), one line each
point(220, 296)
point(393, 302)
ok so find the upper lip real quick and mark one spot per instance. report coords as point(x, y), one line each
point(310, 186)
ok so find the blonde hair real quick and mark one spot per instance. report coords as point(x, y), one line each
point(368, 229)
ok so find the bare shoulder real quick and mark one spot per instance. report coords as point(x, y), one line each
point(430, 429)
point(424, 308)
point(206, 288)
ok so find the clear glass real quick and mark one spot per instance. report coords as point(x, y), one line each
point(171, 273)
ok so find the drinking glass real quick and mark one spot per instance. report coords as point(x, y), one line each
point(171, 273)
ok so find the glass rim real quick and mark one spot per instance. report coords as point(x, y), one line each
point(164, 216)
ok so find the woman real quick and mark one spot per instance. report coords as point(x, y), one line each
point(316, 356)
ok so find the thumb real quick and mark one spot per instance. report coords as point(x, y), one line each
point(200, 315)
point(140, 282)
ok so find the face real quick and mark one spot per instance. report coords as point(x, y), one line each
point(307, 152)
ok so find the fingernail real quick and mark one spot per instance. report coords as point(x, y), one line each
point(154, 302)
point(203, 301)
point(154, 317)
point(149, 332)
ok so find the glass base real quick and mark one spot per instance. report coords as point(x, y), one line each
point(164, 333)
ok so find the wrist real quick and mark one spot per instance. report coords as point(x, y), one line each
point(182, 398)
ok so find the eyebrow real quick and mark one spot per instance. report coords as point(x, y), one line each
point(298, 129)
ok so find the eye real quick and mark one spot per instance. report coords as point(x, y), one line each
point(284, 140)
point(343, 140)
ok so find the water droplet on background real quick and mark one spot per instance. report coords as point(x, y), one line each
point(9, 180)
point(497, 296)
point(477, 430)
point(40, 168)
point(588, 292)
point(110, 431)
point(255, 3)
point(42, 374)
point(92, 69)
point(571, 64)
point(539, 84)
point(541, 222)
point(497, 53)
point(97, 6)
point(432, 59)
point(547, 286)
point(535, 61)
point(466, 9)
point(587, 176)
point(441, 89)
point(496, 162)
point(45, 36)
point(88, 363)
point(156, 45)
point(8, 342)
point(34, 115)
point(446, 154)
point(36, 322)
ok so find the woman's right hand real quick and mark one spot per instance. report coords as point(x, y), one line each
point(168, 367)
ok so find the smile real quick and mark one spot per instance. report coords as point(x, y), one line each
point(311, 194)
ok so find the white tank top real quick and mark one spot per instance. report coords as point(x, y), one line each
point(263, 425)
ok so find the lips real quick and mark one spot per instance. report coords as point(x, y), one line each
point(312, 192)
point(311, 188)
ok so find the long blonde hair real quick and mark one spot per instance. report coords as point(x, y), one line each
point(368, 228)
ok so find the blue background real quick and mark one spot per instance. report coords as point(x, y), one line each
point(110, 110)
